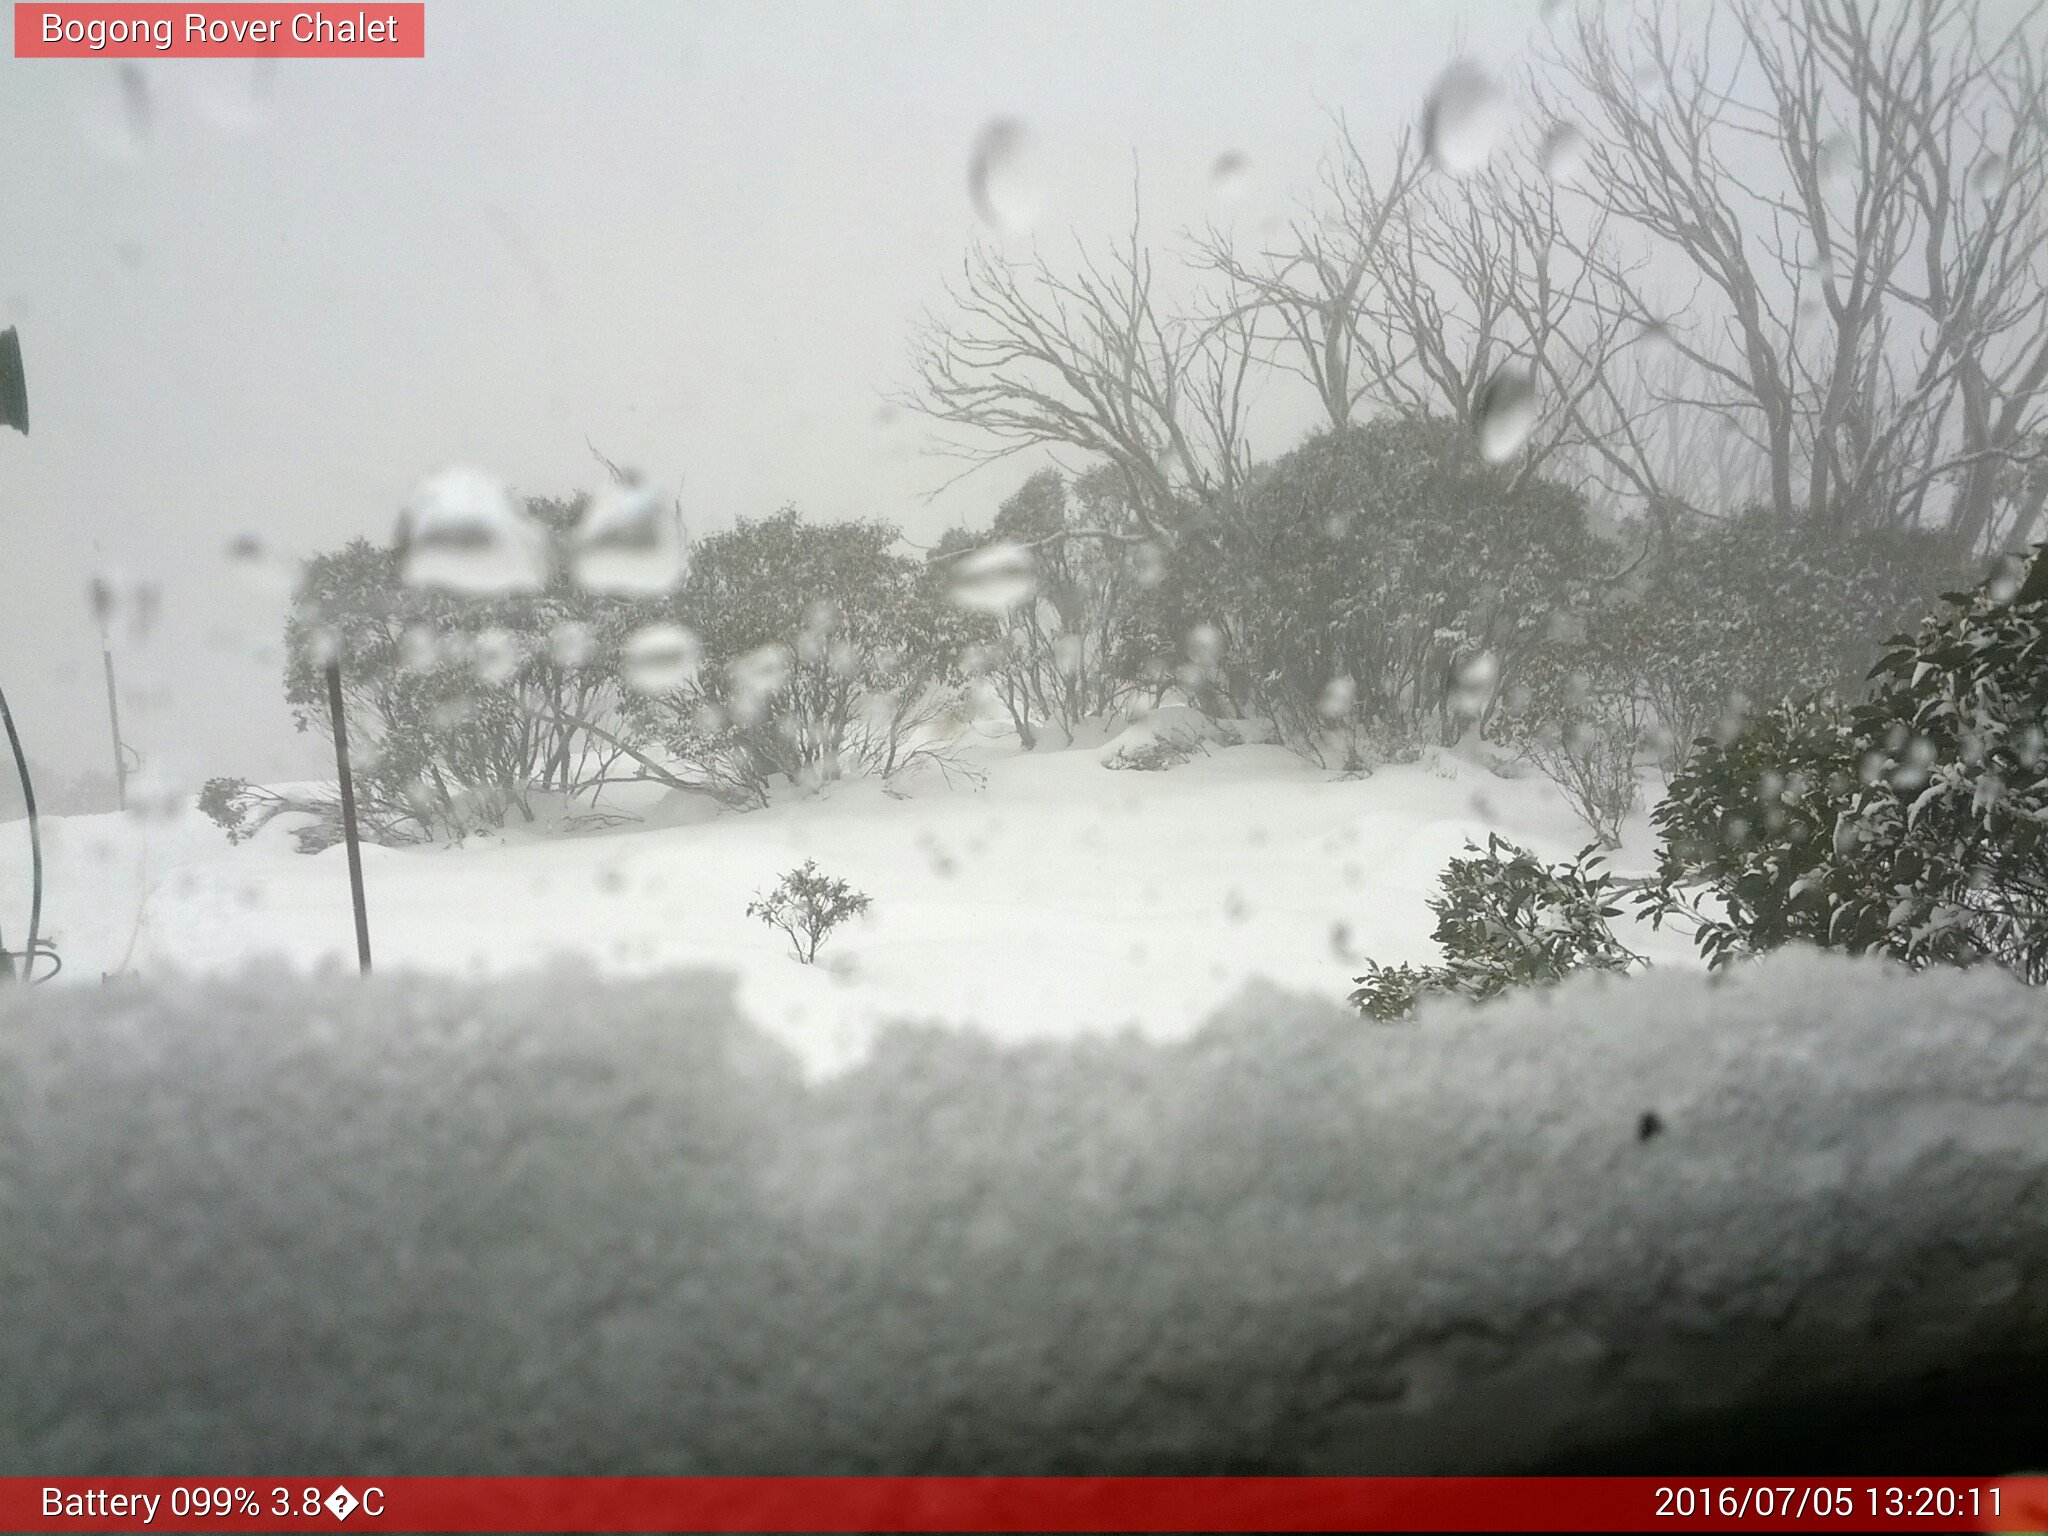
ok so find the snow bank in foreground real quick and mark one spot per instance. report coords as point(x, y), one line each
point(548, 1224)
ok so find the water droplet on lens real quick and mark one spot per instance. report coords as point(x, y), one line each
point(1474, 687)
point(1205, 645)
point(660, 658)
point(994, 579)
point(756, 679)
point(1463, 118)
point(2006, 578)
point(419, 648)
point(1505, 413)
point(100, 592)
point(451, 714)
point(1658, 337)
point(627, 543)
point(138, 111)
point(1230, 178)
point(1834, 157)
point(495, 656)
point(463, 534)
point(571, 643)
point(258, 566)
point(1148, 564)
point(1002, 177)
point(1339, 698)
point(1563, 153)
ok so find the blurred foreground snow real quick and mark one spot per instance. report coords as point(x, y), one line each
point(557, 1224)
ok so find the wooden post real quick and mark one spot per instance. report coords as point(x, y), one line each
point(114, 721)
point(348, 816)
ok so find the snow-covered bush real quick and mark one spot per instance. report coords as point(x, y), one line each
point(1754, 611)
point(1581, 716)
point(823, 654)
point(242, 809)
point(1071, 647)
point(1914, 824)
point(807, 904)
point(1379, 561)
point(1167, 749)
point(1506, 919)
point(460, 708)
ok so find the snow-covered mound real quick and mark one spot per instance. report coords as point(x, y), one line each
point(553, 1223)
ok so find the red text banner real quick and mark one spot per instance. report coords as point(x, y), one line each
point(520, 1504)
point(214, 31)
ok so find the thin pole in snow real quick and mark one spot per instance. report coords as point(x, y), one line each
point(114, 720)
point(348, 816)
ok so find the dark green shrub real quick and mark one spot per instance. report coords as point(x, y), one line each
point(1913, 824)
point(1506, 919)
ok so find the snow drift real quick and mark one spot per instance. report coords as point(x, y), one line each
point(553, 1224)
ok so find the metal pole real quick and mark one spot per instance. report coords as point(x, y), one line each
point(114, 720)
point(348, 816)
point(35, 846)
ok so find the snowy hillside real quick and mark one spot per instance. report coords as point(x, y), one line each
point(1060, 895)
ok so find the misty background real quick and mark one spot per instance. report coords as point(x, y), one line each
point(272, 295)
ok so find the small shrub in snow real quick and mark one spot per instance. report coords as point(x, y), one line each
point(1506, 919)
point(1159, 754)
point(807, 905)
point(1581, 718)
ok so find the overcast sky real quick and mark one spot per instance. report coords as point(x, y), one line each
point(697, 234)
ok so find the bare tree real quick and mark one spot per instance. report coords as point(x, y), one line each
point(1311, 294)
point(1097, 361)
point(1855, 193)
point(1409, 293)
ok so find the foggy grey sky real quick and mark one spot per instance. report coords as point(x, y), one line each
point(698, 234)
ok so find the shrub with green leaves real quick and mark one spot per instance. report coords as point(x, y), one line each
point(1914, 824)
point(1506, 919)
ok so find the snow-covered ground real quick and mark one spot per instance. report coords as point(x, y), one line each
point(1057, 895)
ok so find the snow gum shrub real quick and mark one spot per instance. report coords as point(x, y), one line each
point(1077, 646)
point(1365, 569)
point(1757, 610)
point(1506, 919)
point(242, 809)
point(459, 708)
point(825, 653)
point(1912, 824)
point(1581, 713)
point(807, 905)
